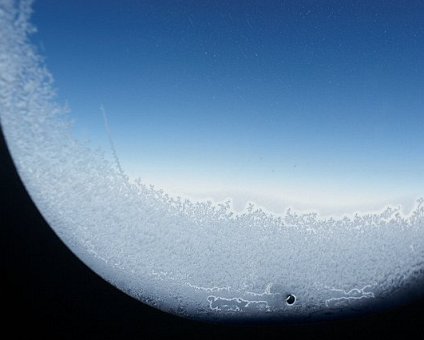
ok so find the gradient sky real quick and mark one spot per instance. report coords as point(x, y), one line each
point(314, 102)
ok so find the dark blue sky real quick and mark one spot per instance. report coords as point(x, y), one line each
point(291, 98)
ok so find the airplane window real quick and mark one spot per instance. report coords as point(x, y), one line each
point(242, 160)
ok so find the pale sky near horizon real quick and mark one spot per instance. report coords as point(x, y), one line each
point(314, 103)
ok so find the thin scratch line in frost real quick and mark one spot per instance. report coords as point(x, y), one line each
point(112, 144)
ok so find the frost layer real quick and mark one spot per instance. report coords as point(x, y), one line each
point(195, 259)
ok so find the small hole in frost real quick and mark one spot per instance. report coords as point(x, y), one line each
point(290, 299)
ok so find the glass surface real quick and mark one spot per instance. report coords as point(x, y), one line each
point(225, 160)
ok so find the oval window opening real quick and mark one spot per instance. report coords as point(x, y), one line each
point(210, 159)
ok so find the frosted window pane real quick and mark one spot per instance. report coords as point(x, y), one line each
point(196, 258)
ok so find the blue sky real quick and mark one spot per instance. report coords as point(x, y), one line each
point(314, 102)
